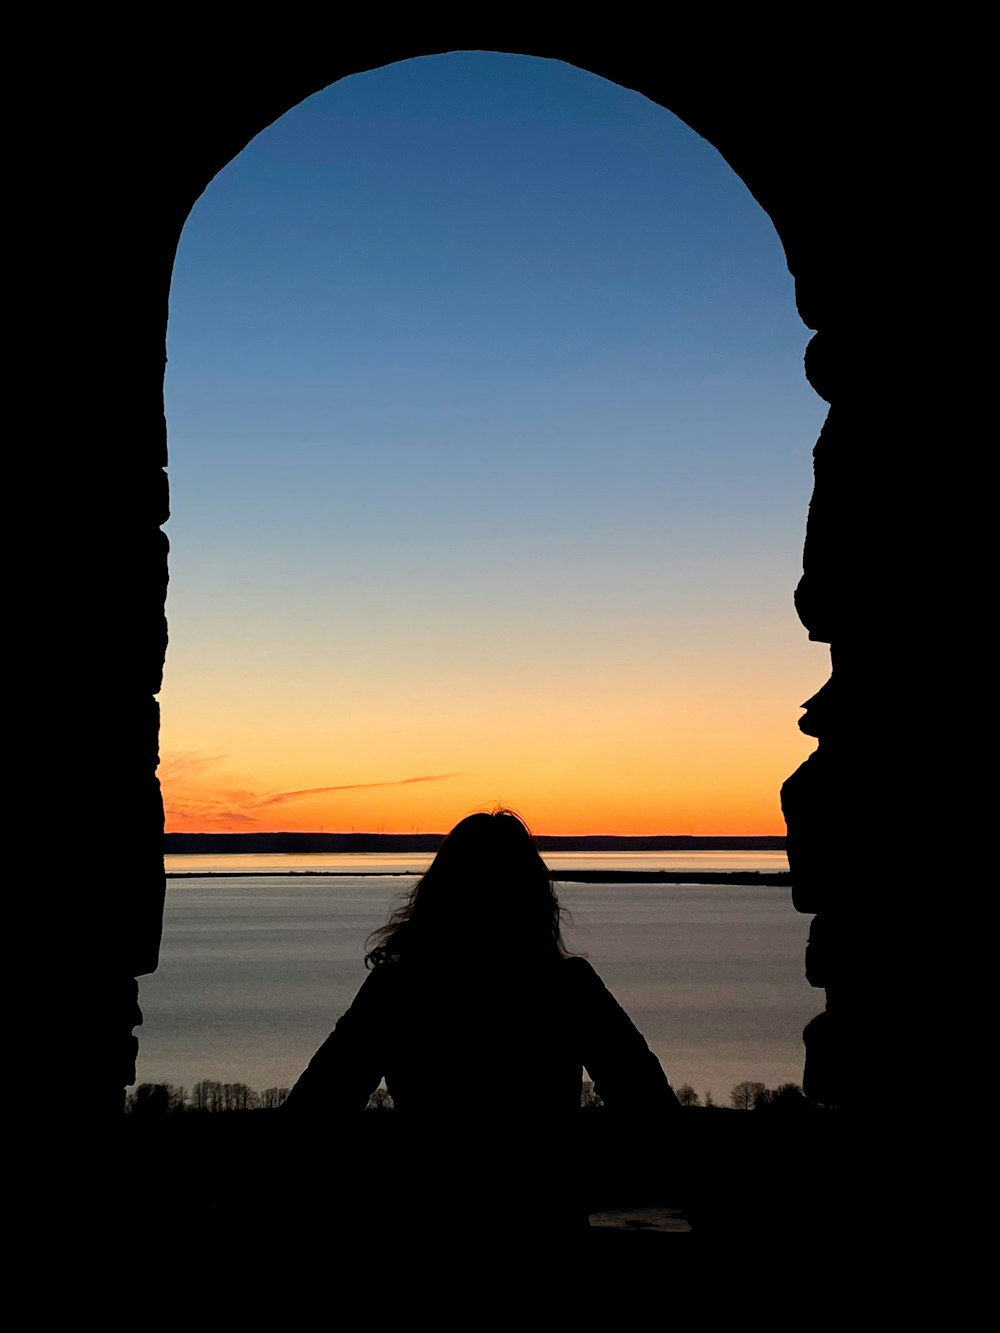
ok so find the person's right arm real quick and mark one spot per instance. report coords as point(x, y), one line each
point(347, 1068)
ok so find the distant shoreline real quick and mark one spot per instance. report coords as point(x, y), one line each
point(734, 877)
point(235, 844)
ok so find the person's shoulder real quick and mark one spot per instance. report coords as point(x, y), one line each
point(580, 972)
point(381, 981)
point(388, 971)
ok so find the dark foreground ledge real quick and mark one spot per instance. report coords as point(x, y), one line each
point(714, 1174)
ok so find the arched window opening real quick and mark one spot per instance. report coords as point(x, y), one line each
point(490, 459)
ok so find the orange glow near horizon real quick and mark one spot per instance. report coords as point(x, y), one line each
point(707, 759)
point(200, 812)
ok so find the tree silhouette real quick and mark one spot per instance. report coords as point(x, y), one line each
point(271, 1098)
point(589, 1098)
point(785, 1097)
point(207, 1096)
point(239, 1097)
point(380, 1100)
point(687, 1096)
point(744, 1095)
point(156, 1099)
point(149, 1099)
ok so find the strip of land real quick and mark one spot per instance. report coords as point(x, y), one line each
point(235, 844)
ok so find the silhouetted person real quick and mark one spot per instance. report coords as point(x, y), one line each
point(481, 1024)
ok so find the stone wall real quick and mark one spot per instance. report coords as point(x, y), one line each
point(803, 117)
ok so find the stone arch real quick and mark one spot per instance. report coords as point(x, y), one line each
point(751, 111)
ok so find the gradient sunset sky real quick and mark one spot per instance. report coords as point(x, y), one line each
point(490, 454)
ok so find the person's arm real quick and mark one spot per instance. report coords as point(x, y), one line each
point(347, 1068)
point(627, 1076)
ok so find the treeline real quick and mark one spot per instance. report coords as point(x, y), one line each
point(752, 1096)
point(212, 1097)
point(207, 1097)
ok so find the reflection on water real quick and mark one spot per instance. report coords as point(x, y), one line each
point(400, 863)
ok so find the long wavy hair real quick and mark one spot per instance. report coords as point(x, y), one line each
point(486, 893)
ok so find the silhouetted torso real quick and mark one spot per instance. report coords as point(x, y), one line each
point(484, 1060)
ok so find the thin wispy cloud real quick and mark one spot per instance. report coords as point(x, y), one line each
point(195, 796)
point(279, 797)
point(187, 763)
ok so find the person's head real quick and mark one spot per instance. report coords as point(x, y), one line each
point(487, 891)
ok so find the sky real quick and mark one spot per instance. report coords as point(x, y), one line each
point(490, 455)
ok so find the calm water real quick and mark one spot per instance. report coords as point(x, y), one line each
point(373, 863)
point(255, 971)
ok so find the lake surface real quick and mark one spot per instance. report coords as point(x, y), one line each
point(415, 863)
point(255, 971)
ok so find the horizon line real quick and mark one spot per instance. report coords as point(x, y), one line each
point(431, 833)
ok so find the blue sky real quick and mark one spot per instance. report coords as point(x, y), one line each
point(477, 354)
